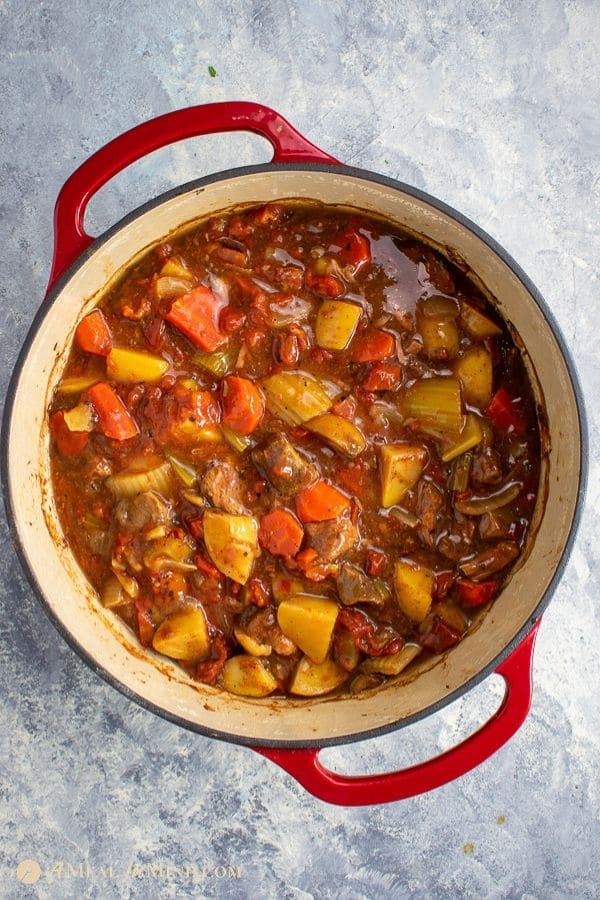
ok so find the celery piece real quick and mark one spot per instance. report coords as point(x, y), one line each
point(436, 405)
point(218, 363)
point(184, 471)
point(458, 480)
point(237, 442)
point(470, 436)
point(296, 397)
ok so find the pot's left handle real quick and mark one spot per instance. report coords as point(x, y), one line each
point(364, 790)
point(70, 238)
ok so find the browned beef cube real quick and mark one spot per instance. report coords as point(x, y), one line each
point(287, 470)
point(332, 539)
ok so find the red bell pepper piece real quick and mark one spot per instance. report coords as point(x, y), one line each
point(475, 593)
point(506, 413)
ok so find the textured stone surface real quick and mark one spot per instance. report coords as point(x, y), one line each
point(493, 107)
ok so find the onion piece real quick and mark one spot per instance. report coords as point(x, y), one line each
point(477, 506)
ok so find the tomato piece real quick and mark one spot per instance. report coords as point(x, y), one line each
point(243, 404)
point(440, 636)
point(506, 413)
point(373, 345)
point(232, 319)
point(383, 377)
point(92, 335)
point(70, 443)
point(196, 314)
point(476, 593)
point(355, 250)
point(376, 562)
point(205, 567)
point(145, 622)
point(328, 285)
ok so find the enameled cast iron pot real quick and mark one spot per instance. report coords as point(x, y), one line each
point(289, 732)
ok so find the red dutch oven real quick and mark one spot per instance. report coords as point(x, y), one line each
point(289, 732)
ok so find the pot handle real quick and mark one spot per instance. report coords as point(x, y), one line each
point(70, 238)
point(363, 790)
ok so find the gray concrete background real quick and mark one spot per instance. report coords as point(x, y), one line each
point(491, 106)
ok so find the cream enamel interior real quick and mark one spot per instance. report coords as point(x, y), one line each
point(110, 645)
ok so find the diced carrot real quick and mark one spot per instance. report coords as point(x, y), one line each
point(280, 533)
point(320, 502)
point(306, 558)
point(196, 315)
point(92, 335)
point(70, 443)
point(475, 593)
point(114, 419)
point(356, 250)
point(243, 404)
point(328, 285)
point(373, 345)
point(383, 377)
point(506, 413)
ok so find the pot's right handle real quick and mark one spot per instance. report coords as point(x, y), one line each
point(70, 237)
point(363, 790)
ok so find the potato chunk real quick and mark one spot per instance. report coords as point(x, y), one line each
point(401, 468)
point(183, 635)
point(436, 322)
point(311, 679)
point(247, 676)
point(250, 644)
point(339, 433)
point(475, 372)
point(308, 621)
point(414, 587)
point(336, 324)
point(130, 366)
point(232, 543)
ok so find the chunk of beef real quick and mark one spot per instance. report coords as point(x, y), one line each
point(332, 539)
point(486, 467)
point(430, 502)
point(354, 586)
point(456, 539)
point(490, 560)
point(495, 525)
point(144, 510)
point(262, 627)
point(221, 485)
point(287, 470)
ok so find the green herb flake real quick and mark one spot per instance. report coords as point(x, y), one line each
point(212, 71)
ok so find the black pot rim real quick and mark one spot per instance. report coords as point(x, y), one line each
point(199, 185)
